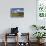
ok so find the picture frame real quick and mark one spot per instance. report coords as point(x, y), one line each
point(17, 12)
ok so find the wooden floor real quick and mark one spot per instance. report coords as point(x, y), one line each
point(13, 44)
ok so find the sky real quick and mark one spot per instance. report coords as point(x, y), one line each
point(17, 10)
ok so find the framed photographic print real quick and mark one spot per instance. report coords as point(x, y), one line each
point(17, 12)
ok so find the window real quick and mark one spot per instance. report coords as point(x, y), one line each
point(41, 8)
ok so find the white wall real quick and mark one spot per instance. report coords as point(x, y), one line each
point(24, 23)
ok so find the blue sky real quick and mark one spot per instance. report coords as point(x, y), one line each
point(17, 10)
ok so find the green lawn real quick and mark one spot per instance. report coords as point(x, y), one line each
point(19, 14)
